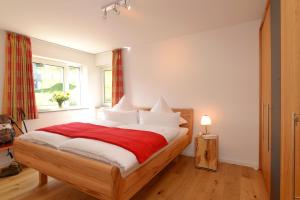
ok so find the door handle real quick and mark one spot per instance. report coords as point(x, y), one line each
point(295, 120)
point(268, 114)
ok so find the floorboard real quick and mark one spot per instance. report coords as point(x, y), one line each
point(179, 181)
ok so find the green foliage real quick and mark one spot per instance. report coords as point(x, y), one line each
point(54, 88)
point(72, 87)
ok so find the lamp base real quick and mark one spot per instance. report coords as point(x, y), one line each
point(206, 132)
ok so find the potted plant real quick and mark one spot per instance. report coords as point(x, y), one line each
point(61, 97)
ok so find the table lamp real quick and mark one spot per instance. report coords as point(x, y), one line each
point(205, 121)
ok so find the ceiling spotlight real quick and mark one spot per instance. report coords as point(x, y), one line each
point(105, 14)
point(127, 4)
point(115, 7)
point(116, 10)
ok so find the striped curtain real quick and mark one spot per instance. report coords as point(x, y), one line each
point(19, 84)
point(117, 77)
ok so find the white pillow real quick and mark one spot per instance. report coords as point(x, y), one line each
point(182, 121)
point(161, 106)
point(125, 117)
point(106, 123)
point(159, 119)
point(123, 105)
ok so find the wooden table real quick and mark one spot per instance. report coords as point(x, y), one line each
point(206, 152)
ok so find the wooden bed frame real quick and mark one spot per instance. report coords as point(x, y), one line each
point(96, 178)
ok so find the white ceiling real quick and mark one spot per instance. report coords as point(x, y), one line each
point(79, 24)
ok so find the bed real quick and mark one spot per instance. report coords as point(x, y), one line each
point(99, 179)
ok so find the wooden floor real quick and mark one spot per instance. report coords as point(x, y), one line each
point(179, 181)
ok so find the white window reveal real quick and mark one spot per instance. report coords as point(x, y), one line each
point(107, 82)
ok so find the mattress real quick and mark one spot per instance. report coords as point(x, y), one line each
point(55, 140)
point(125, 160)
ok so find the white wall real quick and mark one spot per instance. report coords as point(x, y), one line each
point(2, 64)
point(104, 59)
point(91, 73)
point(214, 72)
point(4, 161)
point(91, 83)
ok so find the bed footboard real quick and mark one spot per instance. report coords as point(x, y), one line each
point(95, 178)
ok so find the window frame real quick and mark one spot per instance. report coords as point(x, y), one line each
point(64, 65)
point(80, 81)
point(103, 69)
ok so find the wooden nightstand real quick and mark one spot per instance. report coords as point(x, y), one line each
point(206, 152)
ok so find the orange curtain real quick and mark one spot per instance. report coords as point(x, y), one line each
point(117, 76)
point(19, 84)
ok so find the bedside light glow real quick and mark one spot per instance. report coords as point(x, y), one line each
point(205, 120)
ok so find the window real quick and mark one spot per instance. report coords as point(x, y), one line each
point(107, 86)
point(49, 79)
point(74, 85)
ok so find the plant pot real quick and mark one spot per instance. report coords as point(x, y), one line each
point(60, 104)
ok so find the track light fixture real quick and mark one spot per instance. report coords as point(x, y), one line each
point(115, 7)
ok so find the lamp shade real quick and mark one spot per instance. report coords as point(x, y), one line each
point(205, 120)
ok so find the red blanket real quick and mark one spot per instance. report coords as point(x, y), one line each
point(142, 144)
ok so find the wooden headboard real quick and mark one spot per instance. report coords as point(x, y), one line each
point(187, 114)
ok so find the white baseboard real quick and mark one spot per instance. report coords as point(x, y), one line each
point(229, 161)
point(241, 163)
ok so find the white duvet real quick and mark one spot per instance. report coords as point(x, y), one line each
point(102, 151)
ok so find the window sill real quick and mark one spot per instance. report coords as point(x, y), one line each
point(62, 109)
point(103, 107)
